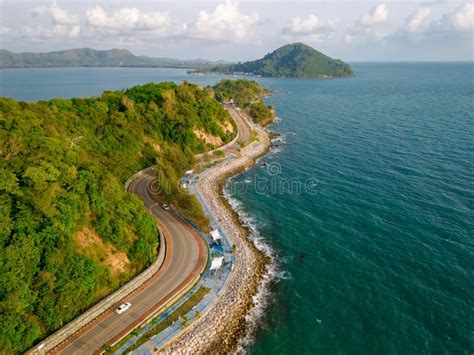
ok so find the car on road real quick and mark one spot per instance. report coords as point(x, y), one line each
point(165, 206)
point(123, 307)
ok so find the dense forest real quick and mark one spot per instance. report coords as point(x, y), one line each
point(248, 95)
point(295, 60)
point(69, 233)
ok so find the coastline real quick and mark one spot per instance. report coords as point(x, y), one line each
point(225, 325)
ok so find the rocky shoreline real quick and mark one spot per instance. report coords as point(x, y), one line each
point(222, 328)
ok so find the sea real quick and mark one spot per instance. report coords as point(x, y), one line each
point(366, 204)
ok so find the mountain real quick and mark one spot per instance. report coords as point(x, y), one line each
point(86, 57)
point(292, 60)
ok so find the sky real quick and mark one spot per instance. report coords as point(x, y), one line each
point(233, 30)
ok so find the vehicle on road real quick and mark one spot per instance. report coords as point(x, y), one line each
point(123, 307)
point(165, 206)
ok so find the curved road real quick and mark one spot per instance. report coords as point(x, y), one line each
point(186, 257)
point(244, 129)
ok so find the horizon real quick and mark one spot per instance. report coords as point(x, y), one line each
point(470, 60)
point(362, 31)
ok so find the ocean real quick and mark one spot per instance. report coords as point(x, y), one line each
point(366, 203)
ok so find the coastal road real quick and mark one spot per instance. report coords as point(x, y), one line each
point(244, 134)
point(185, 258)
point(244, 129)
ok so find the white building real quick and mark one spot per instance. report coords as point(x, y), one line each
point(217, 263)
point(215, 235)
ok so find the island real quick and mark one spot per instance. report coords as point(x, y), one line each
point(296, 60)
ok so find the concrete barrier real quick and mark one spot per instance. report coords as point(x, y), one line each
point(107, 303)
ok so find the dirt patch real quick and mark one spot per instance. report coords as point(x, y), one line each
point(227, 127)
point(153, 143)
point(90, 244)
point(208, 138)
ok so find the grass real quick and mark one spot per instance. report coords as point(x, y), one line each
point(180, 312)
point(218, 153)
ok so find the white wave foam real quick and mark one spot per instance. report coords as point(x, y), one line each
point(273, 274)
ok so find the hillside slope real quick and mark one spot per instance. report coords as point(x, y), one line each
point(69, 233)
point(247, 95)
point(293, 60)
point(86, 57)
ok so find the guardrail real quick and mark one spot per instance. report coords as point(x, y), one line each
point(103, 306)
point(77, 324)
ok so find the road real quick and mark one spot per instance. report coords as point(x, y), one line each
point(186, 257)
point(244, 130)
point(244, 134)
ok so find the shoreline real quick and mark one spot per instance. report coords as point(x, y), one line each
point(223, 328)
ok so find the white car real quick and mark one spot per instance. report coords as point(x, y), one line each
point(123, 307)
point(165, 207)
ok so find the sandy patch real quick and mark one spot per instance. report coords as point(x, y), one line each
point(90, 244)
point(227, 127)
point(156, 147)
point(208, 138)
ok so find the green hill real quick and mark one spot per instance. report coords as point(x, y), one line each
point(293, 60)
point(69, 233)
point(247, 95)
point(86, 57)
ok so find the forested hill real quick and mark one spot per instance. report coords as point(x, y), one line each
point(87, 57)
point(69, 233)
point(293, 60)
point(248, 96)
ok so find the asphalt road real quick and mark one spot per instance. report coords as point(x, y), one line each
point(243, 128)
point(182, 261)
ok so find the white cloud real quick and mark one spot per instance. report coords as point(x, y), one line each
point(461, 19)
point(349, 38)
point(309, 25)
point(417, 20)
point(4, 30)
point(60, 16)
point(130, 19)
point(45, 33)
point(226, 22)
point(377, 16)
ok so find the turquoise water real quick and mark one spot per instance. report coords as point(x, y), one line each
point(380, 260)
point(376, 256)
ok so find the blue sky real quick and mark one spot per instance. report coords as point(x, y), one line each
point(231, 30)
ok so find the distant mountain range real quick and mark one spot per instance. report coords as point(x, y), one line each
point(293, 60)
point(86, 57)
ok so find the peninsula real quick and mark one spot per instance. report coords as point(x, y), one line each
point(78, 232)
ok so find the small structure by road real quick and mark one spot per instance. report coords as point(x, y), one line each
point(217, 263)
point(215, 235)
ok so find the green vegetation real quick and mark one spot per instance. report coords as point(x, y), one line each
point(69, 233)
point(261, 113)
point(241, 92)
point(168, 171)
point(86, 57)
point(180, 312)
point(247, 94)
point(293, 60)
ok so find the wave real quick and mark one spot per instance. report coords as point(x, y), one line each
point(273, 274)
